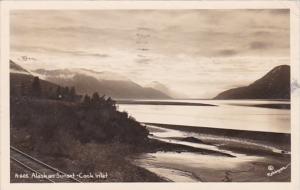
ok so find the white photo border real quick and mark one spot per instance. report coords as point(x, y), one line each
point(7, 6)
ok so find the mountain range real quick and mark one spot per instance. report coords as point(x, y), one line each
point(15, 68)
point(21, 78)
point(85, 81)
point(274, 85)
point(107, 83)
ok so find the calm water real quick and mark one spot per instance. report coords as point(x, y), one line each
point(228, 114)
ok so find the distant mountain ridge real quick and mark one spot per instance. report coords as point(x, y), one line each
point(165, 89)
point(15, 68)
point(274, 85)
point(21, 78)
point(108, 83)
point(85, 81)
point(104, 75)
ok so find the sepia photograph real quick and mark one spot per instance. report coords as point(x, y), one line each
point(150, 95)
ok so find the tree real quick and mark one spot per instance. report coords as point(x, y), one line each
point(102, 101)
point(95, 98)
point(111, 103)
point(23, 89)
point(13, 91)
point(72, 93)
point(65, 93)
point(58, 94)
point(50, 93)
point(86, 100)
point(36, 87)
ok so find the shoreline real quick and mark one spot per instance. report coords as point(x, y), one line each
point(128, 171)
point(118, 169)
point(283, 106)
point(71, 155)
point(281, 138)
point(249, 164)
point(170, 103)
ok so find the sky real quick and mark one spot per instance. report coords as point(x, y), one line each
point(197, 53)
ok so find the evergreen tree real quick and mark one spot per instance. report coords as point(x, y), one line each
point(36, 87)
point(66, 93)
point(102, 101)
point(95, 98)
point(13, 91)
point(86, 100)
point(72, 93)
point(50, 92)
point(23, 89)
point(58, 94)
point(111, 103)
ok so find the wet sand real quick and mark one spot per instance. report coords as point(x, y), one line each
point(188, 167)
point(278, 138)
point(254, 160)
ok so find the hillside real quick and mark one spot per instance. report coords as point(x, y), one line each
point(108, 83)
point(15, 68)
point(79, 138)
point(274, 85)
point(21, 80)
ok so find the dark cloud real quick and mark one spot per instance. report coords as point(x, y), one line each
point(143, 61)
point(53, 50)
point(227, 52)
point(259, 45)
point(280, 11)
point(271, 11)
point(82, 53)
point(261, 33)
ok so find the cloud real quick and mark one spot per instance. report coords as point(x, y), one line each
point(261, 33)
point(280, 11)
point(59, 51)
point(243, 44)
point(227, 52)
point(82, 53)
point(143, 61)
point(196, 32)
point(259, 45)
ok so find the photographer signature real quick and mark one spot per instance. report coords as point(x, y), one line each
point(277, 171)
